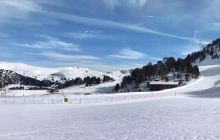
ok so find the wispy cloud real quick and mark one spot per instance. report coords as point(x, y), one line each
point(25, 5)
point(194, 46)
point(113, 24)
point(189, 49)
point(14, 9)
point(130, 3)
point(17, 9)
point(21, 11)
point(104, 67)
point(55, 56)
point(87, 34)
point(198, 41)
point(110, 68)
point(154, 58)
point(128, 53)
point(52, 43)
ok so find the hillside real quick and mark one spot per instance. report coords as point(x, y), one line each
point(8, 78)
point(57, 74)
point(208, 55)
point(63, 77)
point(167, 73)
point(169, 69)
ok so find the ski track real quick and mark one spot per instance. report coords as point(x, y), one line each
point(193, 115)
point(181, 118)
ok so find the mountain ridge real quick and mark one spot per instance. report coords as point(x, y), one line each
point(56, 74)
point(208, 55)
point(20, 75)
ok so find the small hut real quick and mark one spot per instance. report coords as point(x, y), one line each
point(53, 90)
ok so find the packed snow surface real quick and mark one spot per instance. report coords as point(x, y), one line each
point(193, 114)
point(169, 118)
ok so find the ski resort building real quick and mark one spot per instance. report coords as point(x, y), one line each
point(160, 85)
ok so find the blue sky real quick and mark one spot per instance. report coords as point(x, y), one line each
point(104, 35)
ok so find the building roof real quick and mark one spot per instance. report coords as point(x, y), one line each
point(163, 83)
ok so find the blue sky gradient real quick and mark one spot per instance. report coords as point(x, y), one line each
point(105, 35)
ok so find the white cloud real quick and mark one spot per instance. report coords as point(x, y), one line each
point(52, 43)
point(194, 47)
point(130, 3)
point(113, 24)
point(17, 9)
point(189, 49)
point(25, 5)
point(96, 65)
point(22, 9)
point(111, 68)
point(128, 53)
point(198, 41)
point(155, 58)
point(86, 34)
point(64, 57)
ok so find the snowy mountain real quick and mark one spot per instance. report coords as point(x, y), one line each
point(208, 55)
point(40, 78)
point(10, 78)
point(57, 74)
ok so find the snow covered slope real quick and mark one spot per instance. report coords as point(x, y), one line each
point(58, 74)
point(209, 81)
point(208, 55)
point(181, 117)
point(171, 118)
point(159, 119)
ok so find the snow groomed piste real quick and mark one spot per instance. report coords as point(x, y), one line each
point(193, 114)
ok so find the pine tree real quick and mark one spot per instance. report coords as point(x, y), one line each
point(117, 87)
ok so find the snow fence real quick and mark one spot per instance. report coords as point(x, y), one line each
point(82, 99)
